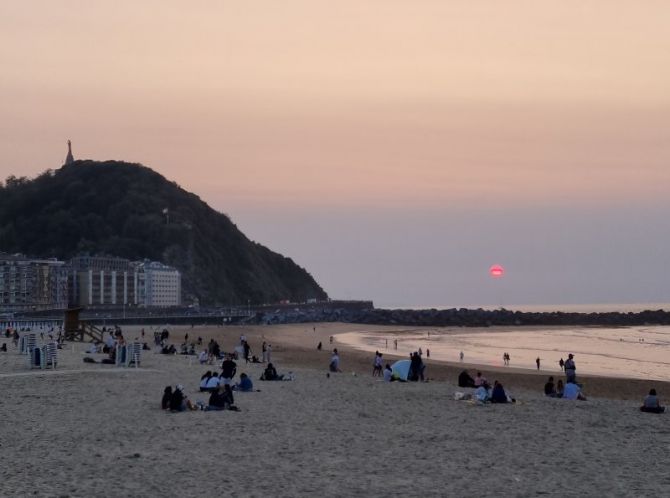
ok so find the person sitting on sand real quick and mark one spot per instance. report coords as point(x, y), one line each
point(388, 373)
point(464, 379)
point(480, 379)
point(221, 399)
point(334, 362)
point(213, 382)
point(203, 357)
point(573, 391)
point(179, 402)
point(549, 388)
point(204, 379)
point(559, 388)
point(482, 393)
point(244, 385)
point(498, 395)
point(271, 373)
point(651, 403)
point(167, 395)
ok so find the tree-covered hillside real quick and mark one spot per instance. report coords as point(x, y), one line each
point(117, 208)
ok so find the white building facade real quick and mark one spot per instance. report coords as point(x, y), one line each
point(158, 284)
point(102, 281)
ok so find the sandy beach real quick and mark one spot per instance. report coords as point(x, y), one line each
point(97, 430)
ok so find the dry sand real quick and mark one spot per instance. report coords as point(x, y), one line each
point(97, 430)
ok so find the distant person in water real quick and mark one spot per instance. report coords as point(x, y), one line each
point(651, 403)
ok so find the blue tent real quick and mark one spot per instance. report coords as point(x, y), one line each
point(401, 369)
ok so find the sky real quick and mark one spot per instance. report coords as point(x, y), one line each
point(395, 149)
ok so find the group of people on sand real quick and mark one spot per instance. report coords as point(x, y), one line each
point(569, 390)
point(220, 398)
point(484, 392)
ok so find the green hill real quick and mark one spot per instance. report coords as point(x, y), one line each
point(116, 208)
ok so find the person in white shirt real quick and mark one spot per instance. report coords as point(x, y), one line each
point(213, 382)
point(203, 357)
point(388, 373)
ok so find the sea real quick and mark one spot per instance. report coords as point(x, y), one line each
point(641, 352)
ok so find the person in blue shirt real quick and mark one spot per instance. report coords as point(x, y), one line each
point(245, 384)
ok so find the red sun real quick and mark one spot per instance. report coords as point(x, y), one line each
point(496, 271)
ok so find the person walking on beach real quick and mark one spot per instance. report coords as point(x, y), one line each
point(561, 363)
point(334, 362)
point(268, 353)
point(537, 362)
point(264, 350)
point(570, 369)
point(377, 365)
point(462, 355)
point(395, 343)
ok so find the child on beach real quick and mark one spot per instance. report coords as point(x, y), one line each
point(377, 365)
point(388, 373)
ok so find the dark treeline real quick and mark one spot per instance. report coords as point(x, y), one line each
point(117, 209)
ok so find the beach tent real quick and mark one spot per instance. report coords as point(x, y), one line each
point(401, 369)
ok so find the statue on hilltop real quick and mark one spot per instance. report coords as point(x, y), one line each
point(69, 159)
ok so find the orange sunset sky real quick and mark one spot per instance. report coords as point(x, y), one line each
point(395, 149)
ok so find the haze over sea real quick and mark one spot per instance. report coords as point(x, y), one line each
point(634, 352)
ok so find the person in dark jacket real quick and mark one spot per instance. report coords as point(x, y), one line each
point(498, 395)
point(464, 380)
point(167, 395)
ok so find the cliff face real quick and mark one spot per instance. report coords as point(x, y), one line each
point(118, 208)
